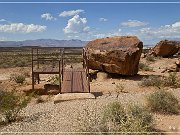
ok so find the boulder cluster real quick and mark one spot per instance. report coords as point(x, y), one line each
point(121, 54)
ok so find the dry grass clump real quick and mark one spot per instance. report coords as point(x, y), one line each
point(163, 102)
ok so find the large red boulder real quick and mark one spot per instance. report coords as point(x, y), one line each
point(120, 54)
point(166, 48)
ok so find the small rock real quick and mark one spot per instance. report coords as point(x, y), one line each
point(101, 76)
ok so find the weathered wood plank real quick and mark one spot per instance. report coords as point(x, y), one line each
point(75, 81)
point(66, 84)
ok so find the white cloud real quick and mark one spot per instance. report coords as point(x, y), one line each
point(175, 25)
point(133, 23)
point(3, 39)
point(166, 31)
point(71, 12)
point(47, 16)
point(103, 19)
point(110, 34)
point(2, 20)
point(76, 25)
point(21, 28)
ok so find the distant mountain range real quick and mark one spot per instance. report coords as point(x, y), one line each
point(44, 43)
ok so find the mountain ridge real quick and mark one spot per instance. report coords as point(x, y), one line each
point(44, 43)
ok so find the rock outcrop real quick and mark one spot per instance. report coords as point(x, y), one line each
point(118, 54)
point(166, 48)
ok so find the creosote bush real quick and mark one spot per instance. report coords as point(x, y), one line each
point(18, 78)
point(171, 80)
point(163, 102)
point(132, 119)
point(150, 58)
point(54, 79)
point(116, 118)
point(151, 81)
point(11, 104)
point(144, 67)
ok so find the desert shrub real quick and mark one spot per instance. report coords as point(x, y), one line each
point(163, 102)
point(144, 67)
point(18, 78)
point(116, 118)
point(11, 104)
point(151, 81)
point(171, 80)
point(120, 89)
point(54, 79)
point(132, 119)
point(115, 113)
point(150, 58)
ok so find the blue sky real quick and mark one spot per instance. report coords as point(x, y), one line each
point(150, 22)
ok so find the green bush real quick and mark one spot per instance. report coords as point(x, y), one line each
point(18, 78)
point(115, 113)
point(11, 104)
point(163, 102)
point(116, 118)
point(144, 67)
point(54, 80)
point(151, 81)
point(132, 119)
point(171, 80)
point(150, 58)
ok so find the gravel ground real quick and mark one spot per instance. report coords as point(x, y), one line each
point(63, 117)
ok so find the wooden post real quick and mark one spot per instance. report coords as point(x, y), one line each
point(83, 58)
point(32, 71)
point(59, 76)
point(38, 57)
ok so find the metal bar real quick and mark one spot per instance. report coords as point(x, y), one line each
point(32, 71)
point(72, 81)
point(59, 77)
point(45, 60)
point(37, 57)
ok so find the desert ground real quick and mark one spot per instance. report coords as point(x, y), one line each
point(42, 115)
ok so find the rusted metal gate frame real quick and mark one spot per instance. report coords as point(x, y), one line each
point(38, 59)
point(61, 62)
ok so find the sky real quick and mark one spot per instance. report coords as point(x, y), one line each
point(151, 22)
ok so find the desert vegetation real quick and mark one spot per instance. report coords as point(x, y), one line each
point(158, 81)
point(163, 101)
point(115, 117)
point(11, 103)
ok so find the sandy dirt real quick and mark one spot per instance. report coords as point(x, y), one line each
point(108, 87)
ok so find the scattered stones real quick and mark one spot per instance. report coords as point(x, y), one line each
point(165, 48)
point(119, 54)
